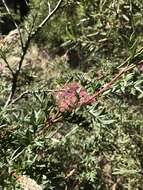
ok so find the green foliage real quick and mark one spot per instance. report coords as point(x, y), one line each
point(96, 29)
point(97, 146)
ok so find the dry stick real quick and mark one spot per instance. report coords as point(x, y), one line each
point(25, 48)
point(16, 74)
point(49, 16)
point(8, 11)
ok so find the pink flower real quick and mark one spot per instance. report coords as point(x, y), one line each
point(1, 67)
point(141, 67)
point(72, 96)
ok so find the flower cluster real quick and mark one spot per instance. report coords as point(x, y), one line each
point(72, 96)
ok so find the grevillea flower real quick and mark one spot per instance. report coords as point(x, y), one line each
point(72, 96)
point(141, 67)
point(1, 67)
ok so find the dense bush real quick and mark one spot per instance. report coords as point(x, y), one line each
point(57, 129)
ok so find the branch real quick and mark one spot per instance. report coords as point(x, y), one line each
point(32, 92)
point(107, 86)
point(7, 63)
point(25, 48)
point(29, 92)
point(59, 117)
point(8, 11)
point(49, 16)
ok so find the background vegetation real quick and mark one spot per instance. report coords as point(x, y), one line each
point(90, 147)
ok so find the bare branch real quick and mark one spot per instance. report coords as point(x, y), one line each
point(49, 6)
point(49, 16)
point(8, 11)
point(30, 93)
point(107, 86)
point(25, 48)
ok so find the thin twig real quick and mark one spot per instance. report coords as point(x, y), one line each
point(107, 86)
point(8, 11)
point(25, 48)
point(3, 126)
point(7, 64)
point(49, 7)
point(50, 121)
point(32, 92)
point(50, 15)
